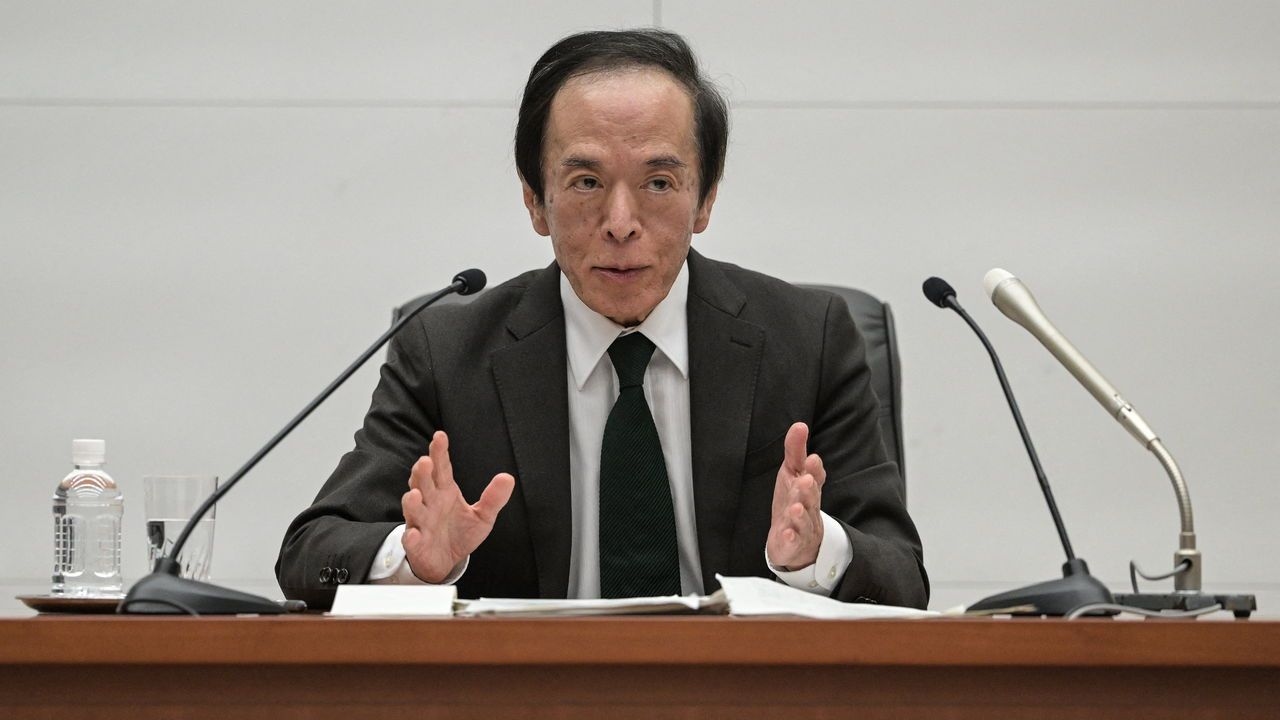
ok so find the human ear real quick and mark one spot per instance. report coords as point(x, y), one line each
point(536, 208)
point(703, 216)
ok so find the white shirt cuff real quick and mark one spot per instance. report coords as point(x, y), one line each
point(834, 555)
point(391, 568)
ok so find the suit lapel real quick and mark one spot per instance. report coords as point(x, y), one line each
point(724, 361)
point(531, 378)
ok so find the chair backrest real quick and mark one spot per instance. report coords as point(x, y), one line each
point(874, 320)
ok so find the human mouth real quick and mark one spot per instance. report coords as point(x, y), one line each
point(620, 274)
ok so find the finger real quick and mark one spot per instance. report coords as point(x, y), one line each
point(420, 471)
point(415, 512)
point(442, 473)
point(813, 498)
point(813, 466)
point(788, 521)
point(804, 490)
point(794, 448)
point(494, 497)
point(786, 490)
point(801, 521)
point(783, 549)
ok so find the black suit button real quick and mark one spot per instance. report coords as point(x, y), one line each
point(326, 574)
point(343, 575)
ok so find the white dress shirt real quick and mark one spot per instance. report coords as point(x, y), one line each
point(593, 389)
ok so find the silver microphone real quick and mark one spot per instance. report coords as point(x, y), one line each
point(1016, 301)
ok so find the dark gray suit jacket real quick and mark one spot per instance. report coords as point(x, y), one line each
point(492, 373)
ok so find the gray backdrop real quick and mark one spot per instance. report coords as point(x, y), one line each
point(207, 209)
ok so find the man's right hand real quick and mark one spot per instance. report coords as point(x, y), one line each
point(441, 529)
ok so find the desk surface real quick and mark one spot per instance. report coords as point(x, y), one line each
point(311, 666)
point(943, 642)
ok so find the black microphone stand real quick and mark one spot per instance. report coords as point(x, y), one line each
point(163, 592)
point(1076, 588)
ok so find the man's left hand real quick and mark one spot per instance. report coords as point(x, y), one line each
point(796, 530)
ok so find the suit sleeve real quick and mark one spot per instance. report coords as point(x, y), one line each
point(861, 490)
point(335, 539)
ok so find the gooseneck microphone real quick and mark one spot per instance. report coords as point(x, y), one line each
point(941, 293)
point(1012, 297)
point(163, 592)
point(1077, 587)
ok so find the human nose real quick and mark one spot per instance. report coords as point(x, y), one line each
point(622, 221)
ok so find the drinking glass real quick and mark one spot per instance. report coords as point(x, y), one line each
point(170, 501)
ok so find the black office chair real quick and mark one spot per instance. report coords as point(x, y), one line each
point(874, 320)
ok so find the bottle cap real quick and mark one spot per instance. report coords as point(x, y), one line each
point(88, 452)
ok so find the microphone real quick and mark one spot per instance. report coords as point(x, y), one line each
point(1012, 297)
point(1077, 587)
point(939, 292)
point(1016, 301)
point(163, 592)
point(472, 281)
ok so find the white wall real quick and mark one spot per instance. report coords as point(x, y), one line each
point(206, 209)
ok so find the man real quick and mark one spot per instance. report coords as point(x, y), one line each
point(634, 418)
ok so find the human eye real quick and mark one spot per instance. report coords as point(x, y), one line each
point(660, 184)
point(586, 182)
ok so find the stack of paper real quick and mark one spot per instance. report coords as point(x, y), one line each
point(757, 596)
point(670, 605)
point(741, 596)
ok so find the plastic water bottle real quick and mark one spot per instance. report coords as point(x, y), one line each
point(87, 510)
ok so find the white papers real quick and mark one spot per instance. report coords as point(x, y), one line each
point(739, 596)
point(672, 604)
point(757, 596)
point(394, 600)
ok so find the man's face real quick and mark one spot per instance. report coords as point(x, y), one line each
point(620, 198)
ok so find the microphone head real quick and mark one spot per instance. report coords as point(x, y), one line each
point(472, 280)
point(938, 290)
point(994, 278)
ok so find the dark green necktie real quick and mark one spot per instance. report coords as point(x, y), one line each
point(638, 554)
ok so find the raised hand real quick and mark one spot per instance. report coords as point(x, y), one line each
point(441, 529)
point(795, 532)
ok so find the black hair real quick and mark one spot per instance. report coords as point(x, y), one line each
point(602, 51)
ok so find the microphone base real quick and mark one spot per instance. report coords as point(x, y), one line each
point(1242, 606)
point(163, 594)
point(1054, 598)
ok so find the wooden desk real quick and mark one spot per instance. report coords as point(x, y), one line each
point(704, 667)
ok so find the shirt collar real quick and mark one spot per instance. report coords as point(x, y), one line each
point(589, 334)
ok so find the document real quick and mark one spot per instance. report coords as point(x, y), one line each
point(737, 596)
point(668, 605)
point(394, 601)
point(753, 596)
